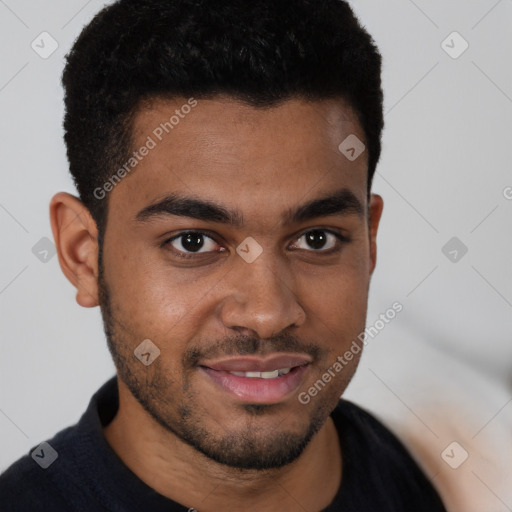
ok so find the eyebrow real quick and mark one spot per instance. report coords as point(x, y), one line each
point(342, 202)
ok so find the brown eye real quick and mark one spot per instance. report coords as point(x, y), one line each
point(192, 242)
point(318, 240)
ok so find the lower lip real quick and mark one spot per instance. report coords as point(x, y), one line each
point(256, 390)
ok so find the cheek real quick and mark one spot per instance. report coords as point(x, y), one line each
point(336, 301)
point(339, 288)
point(156, 300)
point(340, 305)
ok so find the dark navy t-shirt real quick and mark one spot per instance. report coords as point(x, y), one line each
point(87, 475)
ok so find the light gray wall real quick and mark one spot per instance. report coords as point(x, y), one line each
point(441, 371)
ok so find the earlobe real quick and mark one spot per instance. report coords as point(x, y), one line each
point(375, 213)
point(76, 239)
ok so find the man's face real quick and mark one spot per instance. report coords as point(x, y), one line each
point(243, 269)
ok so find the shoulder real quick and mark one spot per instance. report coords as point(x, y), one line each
point(376, 462)
point(361, 427)
point(62, 474)
point(34, 482)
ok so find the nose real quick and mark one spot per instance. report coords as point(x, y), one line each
point(260, 299)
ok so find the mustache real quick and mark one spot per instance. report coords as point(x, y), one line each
point(249, 345)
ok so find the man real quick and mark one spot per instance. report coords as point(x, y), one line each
point(223, 154)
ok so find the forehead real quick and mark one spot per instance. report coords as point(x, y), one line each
point(241, 156)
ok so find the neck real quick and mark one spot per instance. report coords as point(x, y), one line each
point(179, 472)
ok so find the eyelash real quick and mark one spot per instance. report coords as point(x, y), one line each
point(180, 254)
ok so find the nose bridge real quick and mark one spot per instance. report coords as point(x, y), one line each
point(265, 281)
point(261, 298)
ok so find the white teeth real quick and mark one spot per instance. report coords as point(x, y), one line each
point(263, 375)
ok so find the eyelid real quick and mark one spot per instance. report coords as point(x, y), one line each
point(205, 233)
point(339, 236)
point(189, 255)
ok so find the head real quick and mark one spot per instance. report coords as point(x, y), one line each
point(224, 153)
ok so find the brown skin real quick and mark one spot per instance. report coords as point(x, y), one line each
point(261, 163)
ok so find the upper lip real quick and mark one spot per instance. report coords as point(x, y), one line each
point(257, 363)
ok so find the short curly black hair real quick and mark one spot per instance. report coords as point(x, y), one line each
point(261, 52)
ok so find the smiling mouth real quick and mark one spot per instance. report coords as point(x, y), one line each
point(263, 375)
point(259, 366)
point(253, 380)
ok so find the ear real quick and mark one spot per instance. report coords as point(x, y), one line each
point(375, 212)
point(76, 239)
